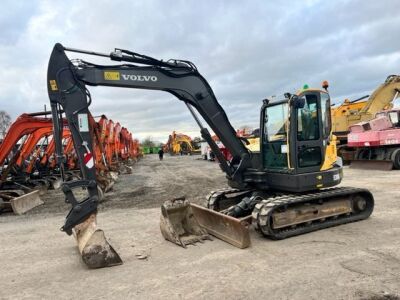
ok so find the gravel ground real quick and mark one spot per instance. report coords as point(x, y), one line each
point(354, 261)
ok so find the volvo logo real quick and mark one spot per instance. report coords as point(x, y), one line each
point(139, 77)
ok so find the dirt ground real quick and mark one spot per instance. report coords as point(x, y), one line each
point(354, 261)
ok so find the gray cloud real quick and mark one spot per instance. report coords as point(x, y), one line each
point(246, 50)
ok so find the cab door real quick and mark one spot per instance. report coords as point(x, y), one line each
point(310, 142)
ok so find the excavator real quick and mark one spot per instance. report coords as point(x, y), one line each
point(16, 195)
point(362, 109)
point(47, 160)
point(178, 143)
point(129, 148)
point(286, 189)
point(22, 164)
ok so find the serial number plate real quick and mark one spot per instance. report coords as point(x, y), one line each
point(336, 177)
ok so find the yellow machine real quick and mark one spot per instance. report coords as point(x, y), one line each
point(352, 112)
point(254, 144)
point(179, 143)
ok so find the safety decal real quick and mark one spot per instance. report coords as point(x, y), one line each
point(88, 160)
point(88, 156)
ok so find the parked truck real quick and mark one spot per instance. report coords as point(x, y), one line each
point(377, 142)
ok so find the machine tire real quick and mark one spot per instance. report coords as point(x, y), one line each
point(396, 158)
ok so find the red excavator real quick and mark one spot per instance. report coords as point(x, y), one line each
point(47, 160)
point(32, 148)
point(16, 195)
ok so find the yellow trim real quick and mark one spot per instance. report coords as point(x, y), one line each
point(330, 154)
point(287, 138)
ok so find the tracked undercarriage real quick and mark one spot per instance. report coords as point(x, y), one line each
point(279, 216)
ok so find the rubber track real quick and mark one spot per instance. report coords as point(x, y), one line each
point(263, 211)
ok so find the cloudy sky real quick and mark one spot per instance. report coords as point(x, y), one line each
point(246, 50)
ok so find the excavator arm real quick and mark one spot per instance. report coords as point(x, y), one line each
point(67, 81)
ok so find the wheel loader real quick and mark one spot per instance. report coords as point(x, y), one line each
point(286, 189)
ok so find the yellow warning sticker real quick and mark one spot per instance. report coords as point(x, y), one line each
point(111, 75)
point(53, 85)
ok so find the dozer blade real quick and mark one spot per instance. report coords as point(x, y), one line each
point(24, 203)
point(178, 224)
point(365, 164)
point(95, 250)
point(229, 229)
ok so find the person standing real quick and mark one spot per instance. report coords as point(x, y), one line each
point(161, 154)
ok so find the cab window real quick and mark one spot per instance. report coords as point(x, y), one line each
point(307, 120)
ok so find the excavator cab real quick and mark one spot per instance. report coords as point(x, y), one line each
point(296, 140)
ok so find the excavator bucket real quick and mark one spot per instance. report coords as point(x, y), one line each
point(365, 164)
point(26, 202)
point(98, 253)
point(95, 250)
point(178, 224)
point(229, 229)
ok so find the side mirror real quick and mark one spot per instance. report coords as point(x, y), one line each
point(298, 102)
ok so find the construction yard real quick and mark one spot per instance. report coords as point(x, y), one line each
point(354, 261)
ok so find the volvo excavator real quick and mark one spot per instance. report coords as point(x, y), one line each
point(286, 189)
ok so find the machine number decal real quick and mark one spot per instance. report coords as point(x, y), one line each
point(336, 177)
point(391, 141)
point(83, 122)
point(53, 85)
point(111, 75)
